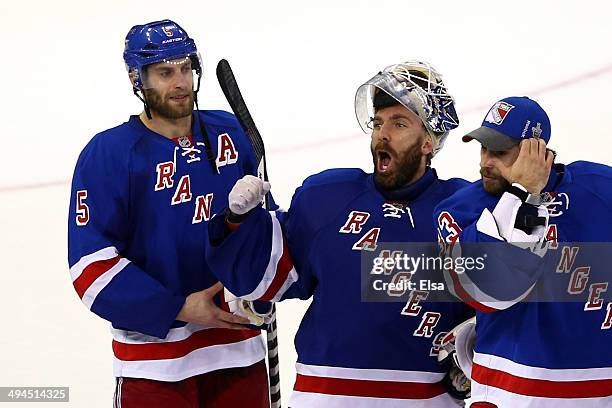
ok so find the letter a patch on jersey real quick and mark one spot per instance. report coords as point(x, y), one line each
point(183, 191)
point(226, 150)
point(369, 241)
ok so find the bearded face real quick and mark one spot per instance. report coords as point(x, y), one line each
point(490, 162)
point(169, 88)
point(400, 145)
point(174, 105)
point(394, 169)
point(493, 182)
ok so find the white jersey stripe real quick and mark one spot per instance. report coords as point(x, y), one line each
point(84, 262)
point(368, 374)
point(550, 374)
point(276, 253)
point(100, 283)
point(175, 334)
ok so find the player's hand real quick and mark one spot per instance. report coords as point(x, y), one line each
point(457, 353)
point(532, 166)
point(200, 308)
point(247, 193)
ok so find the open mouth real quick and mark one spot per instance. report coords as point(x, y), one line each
point(383, 161)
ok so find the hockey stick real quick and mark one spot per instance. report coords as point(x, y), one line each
point(230, 89)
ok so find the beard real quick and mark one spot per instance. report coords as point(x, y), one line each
point(497, 186)
point(164, 108)
point(406, 163)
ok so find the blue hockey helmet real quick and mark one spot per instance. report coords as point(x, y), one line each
point(158, 41)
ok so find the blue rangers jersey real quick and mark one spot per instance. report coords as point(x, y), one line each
point(136, 237)
point(543, 322)
point(351, 353)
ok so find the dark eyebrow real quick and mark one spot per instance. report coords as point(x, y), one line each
point(400, 116)
point(163, 68)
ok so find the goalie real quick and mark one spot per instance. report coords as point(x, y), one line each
point(353, 353)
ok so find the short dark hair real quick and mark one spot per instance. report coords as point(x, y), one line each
point(383, 100)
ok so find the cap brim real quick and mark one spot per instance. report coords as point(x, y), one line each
point(491, 139)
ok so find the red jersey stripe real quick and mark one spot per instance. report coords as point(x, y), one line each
point(93, 272)
point(284, 266)
point(465, 296)
point(177, 349)
point(367, 388)
point(541, 388)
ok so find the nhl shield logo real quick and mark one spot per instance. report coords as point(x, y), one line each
point(498, 113)
point(184, 141)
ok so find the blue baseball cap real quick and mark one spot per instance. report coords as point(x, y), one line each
point(509, 121)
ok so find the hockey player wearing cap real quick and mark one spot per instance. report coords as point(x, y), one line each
point(353, 353)
point(544, 312)
point(142, 193)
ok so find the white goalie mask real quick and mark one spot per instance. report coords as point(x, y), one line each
point(418, 87)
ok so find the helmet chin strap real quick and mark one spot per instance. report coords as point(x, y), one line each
point(143, 98)
point(207, 146)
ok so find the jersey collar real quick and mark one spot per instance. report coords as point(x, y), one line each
point(558, 175)
point(410, 192)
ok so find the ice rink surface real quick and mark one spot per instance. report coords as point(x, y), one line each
point(298, 64)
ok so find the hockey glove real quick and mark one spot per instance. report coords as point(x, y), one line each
point(259, 313)
point(457, 352)
point(247, 193)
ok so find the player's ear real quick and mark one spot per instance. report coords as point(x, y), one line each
point(427, 145)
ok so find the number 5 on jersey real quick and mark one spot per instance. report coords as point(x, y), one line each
point(82, 209)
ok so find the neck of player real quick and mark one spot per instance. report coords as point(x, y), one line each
point(170, 128)
point(418, 174)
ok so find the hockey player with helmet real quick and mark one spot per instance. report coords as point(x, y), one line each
point(142, 194)
point(353, 353)
point(544, 314)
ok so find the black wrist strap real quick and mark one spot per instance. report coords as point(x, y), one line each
point(232, 218)
point(521, 194)
point(525, 196)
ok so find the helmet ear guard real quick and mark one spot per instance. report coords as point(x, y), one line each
point(419, 88)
